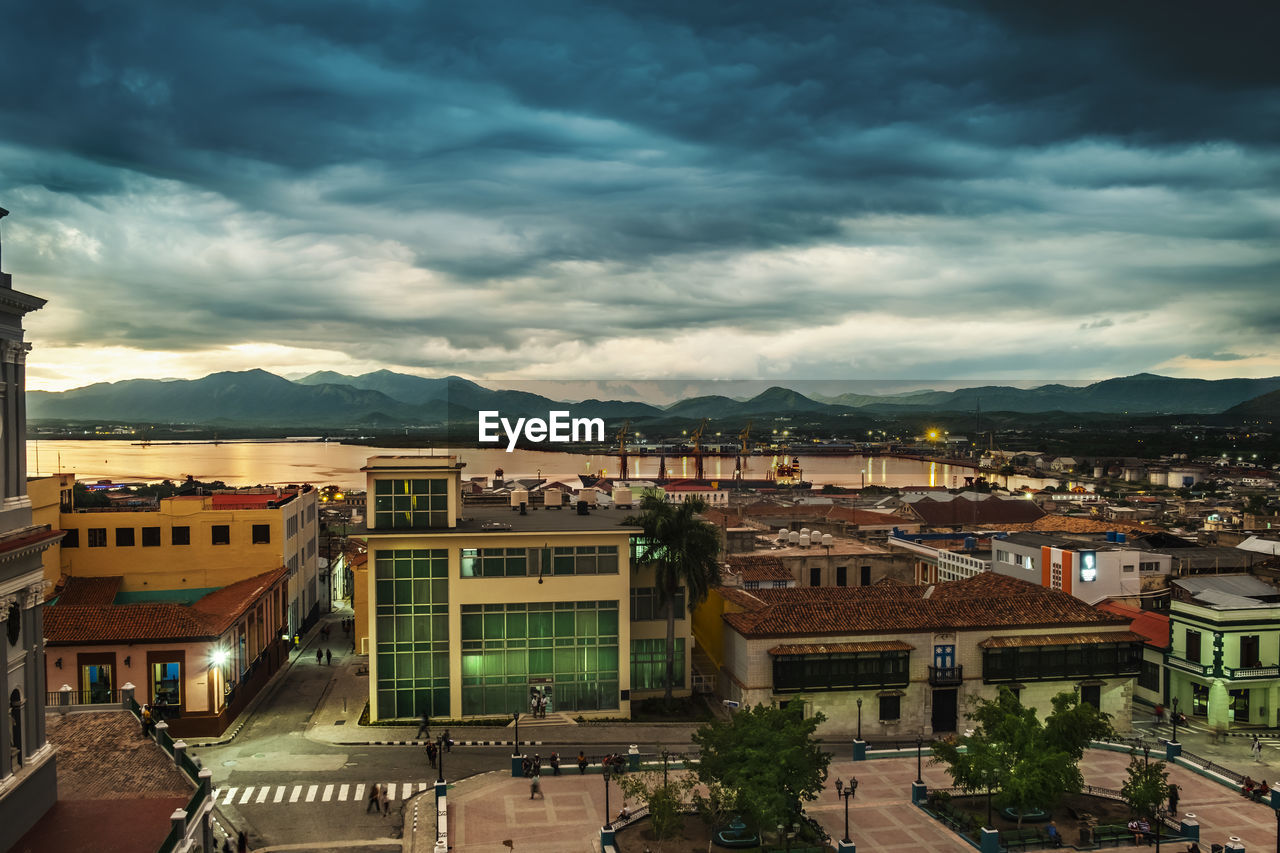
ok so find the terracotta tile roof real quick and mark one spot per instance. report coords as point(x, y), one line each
point(759, 567)
point(842, 648)
point(1151, 625)
point(208, 618)
point(962, 511)
point(1026, 640)
point(90, 590)
point(248, 501)
point(986, 600)
point(1071, 524)
point(826, 512)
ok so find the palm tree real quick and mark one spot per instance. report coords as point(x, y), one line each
point(683, 550)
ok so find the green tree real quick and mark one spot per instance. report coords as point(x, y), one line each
point(1031, 764)
point(684, 550)
point(1146, 787)
point(666, 796)
point(768, 758)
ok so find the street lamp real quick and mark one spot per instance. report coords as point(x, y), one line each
point(919, 753)
point(607, 821)
point(859, 718)
point(1174, 704)
point(848, 794)
point(839, 787)
point(440, 757)
point(515, 749)
point(1146, 755)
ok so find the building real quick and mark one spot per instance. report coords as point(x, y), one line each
point(945, 557)
point(28, 774)
point(1154, 627)
point(203, 661)
point(815, 559)
point(469, 610)
point(1224, 662)
point(958, 512)
point(1091, 567)
point(896, 660)
point(182, 548)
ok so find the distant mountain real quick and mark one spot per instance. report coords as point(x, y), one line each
point(256, 397)
point(248, 397)
point(1263, 407)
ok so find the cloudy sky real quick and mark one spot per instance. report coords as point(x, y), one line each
point(1000, 190)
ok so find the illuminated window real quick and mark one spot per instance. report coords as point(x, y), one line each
point(411, 503)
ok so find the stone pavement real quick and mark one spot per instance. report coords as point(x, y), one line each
point(486, 810)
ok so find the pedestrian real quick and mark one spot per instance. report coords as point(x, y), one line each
point(226, 845)
point(373, 798)
point(582, 763)
point(431, 753)
point(385, 799)
point(1159, 714)
point(537, 764)
point(448, 742)
point(319, 656)
point(328, 656)
point(242, 842)
point(526, 767)
point(535, 787)
point(147, 720)
point(555, 764)
point(1051, 832)
point(1173, 799)
point(1256, 749)
point(424, 726)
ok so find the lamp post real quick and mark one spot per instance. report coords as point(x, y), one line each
point(848, 794)
point(607, 821)
point(919, 755)
point(859, 718)
point(1174, 705)
point(1146, 755)
point(515, 749)
point(839, 787)
point(1160, 813)
point(440, 758)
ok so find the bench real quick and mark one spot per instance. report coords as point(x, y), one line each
point(363, 669)
point(1021, 839)
point(1113, 834)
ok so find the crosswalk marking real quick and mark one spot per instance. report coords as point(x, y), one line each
point(359, 792)
point(422, 786)
point(262, 795)
point(248, 792)
point(297, 789)
point(231, 792)
point(342, 793)
point(391, 791)
point(311, 793)
point(279, 793)
point(328, 793)
point(320, 792)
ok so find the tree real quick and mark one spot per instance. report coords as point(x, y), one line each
point(1030, 763)
point(664, 794)
point(768, 758)
point(683, 549)
point(1146, 787)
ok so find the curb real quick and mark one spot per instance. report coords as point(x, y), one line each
point(425, 742)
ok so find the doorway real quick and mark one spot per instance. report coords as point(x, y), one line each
point(944, 711)
point(1239, 712)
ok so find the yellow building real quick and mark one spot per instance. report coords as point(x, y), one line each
point(182, 548)
point(472, 611)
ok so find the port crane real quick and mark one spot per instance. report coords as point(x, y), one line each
point(622, 451)
point(742, 455)
point(697, 447)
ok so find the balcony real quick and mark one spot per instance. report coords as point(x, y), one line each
point(946, 676)
point(1246, 672)
point(1193, 667)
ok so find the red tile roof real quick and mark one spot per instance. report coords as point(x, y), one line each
point(1154, 627)
point(90, 590)
point(248, 501)
point(842, 648)
point(208, 618)
point(759, 568)
point(959, 512)
point(986, 600)
point(821, 512)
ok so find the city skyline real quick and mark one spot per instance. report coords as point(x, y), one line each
point(644, 191)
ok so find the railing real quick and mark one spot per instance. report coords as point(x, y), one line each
point(1186, 665)
point(1253, 672)
point(1213, 768)
point(1104, 793)
point(926, 745)
point(56, 698)
point(945, 675)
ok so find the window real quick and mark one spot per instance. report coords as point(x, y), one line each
point(181, 535)
point(890, 707)
point(585, 560)
point(97, 537)
point(124, 537)
point(815, 576)
point(649, 664)
point(411, 503)
point(1091, 694)
point(1199, 700)
point(221, 534)
point(1047, 663)
point(290, 527)
point(1148, 567)
point(71, 539)
point(150, 537)
point(842, 575)
point(1193, 646)
point(166, 682)
point(261, 534)
point(1128, 567)
point(495, 562)
point(410, 633)
point(646, 604)
point(865, 579)
point(1249, 651)
point(1149, 676)
point(839, 671)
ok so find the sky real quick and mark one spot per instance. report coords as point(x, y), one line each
point(618, 191)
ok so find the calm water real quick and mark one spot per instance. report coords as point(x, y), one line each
point(322, 463)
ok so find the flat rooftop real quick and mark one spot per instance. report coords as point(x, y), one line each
point(501, 519)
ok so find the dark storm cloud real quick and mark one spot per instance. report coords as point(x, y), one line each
point(486, 174)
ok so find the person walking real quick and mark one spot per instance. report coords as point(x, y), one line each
point(319, 657)
point(535, 787)
point(385, 799)
point(424, 726)
point(1159, 714)
point(448, 742)
point(1256, 749)
point(148, 720)
point(582, 763)
point(1173, 799)
point(242, 842)
point(373, 798)
point(555, 764)
point(431, 753)
point(328, 656)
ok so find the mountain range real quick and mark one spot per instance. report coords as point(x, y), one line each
point(387, 399)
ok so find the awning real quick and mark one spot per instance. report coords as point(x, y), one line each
point(843, 648)
point(1024, 640)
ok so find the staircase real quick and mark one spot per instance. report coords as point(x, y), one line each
point(560, 718)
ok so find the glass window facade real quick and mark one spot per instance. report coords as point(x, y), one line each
point(646, 606)
point(411, 504)
point(585, 560)
point(505, 647)
point(842, 671)
point(649, 664)
point(495, 562)
point(412, 613)
point(1046, 663)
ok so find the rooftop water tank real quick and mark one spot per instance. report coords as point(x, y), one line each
point(793, 538)
point(804, 540)
point(622, 498)
point(553, 497)
point(519, 496)
point(827, 539)
point(587, 495)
